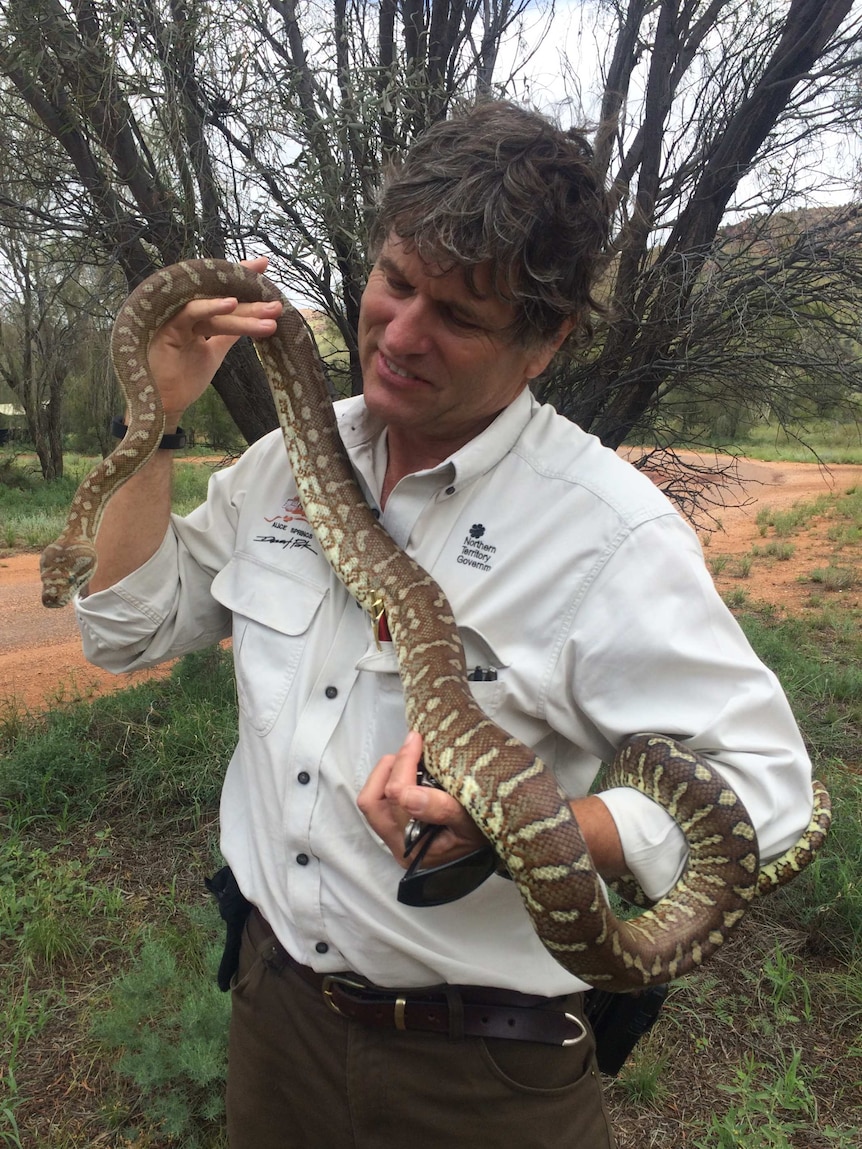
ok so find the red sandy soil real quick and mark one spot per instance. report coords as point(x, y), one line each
point(41, 661)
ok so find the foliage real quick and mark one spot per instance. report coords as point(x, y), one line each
point(44, 333)
point(169, 1030)
point(828, 441)
point(164, 743)
point(32, 513)
point(47, 902)
point(207, 423)
point(166, 131)
point(766, 1115)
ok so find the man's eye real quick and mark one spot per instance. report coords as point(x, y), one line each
point(462, 323)
point(397, 285)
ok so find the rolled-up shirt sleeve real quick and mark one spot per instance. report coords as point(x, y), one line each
point(165, 608)
point(654, 846)
point(654, 649)
point(142, 620)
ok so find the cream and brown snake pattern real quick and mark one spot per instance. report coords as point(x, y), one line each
point(511, 795)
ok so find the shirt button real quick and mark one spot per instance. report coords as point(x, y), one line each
point(331, 691)
point(303, 777)
point(302, 859)
point(322, 948)
point(450, 490)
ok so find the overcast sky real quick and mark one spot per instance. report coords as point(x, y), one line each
point(564, 79)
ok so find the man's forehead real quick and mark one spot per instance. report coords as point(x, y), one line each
point(471, 288)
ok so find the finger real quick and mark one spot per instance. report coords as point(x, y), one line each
point(374, 789)
point(257, 263)
point(378, 798)
point(405, 765)
point(226, 315)
point(257, 320)
point(430, 805)
point(223, 317)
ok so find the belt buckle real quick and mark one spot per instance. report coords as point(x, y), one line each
point(333, 979)
point(581, 1027)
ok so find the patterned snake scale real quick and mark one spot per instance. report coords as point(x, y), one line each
point(511, 795)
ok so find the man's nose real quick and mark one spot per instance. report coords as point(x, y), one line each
point(408, 331)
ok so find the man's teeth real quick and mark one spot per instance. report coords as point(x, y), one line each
point(396, 370)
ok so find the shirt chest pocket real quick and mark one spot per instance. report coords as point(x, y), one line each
point(383, 698)
point(486, 669)
point(272, 615)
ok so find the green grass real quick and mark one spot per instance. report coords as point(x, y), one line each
point(33, 512)
point(783, 551)
point(835, 577)
point(789, 522)
point(822, 441)
point(762, 1048)
point(161, 744)
point(784, 1095)
point(107, 829)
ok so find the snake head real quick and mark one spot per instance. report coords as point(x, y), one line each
point(64, 570)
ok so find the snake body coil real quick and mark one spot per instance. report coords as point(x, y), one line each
point(514, 799)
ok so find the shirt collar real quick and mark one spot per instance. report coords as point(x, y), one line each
point(362, 432)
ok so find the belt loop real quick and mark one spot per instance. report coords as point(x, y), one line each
point(455, 1004)
point(400, 1006)
point(272, 955)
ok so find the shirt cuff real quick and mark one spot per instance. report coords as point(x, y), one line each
point(654, 846)
point(118, 622)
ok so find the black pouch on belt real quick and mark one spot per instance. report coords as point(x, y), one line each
point(619, 1021)
point(234, 909)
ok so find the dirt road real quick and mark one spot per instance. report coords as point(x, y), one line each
point(40, 650)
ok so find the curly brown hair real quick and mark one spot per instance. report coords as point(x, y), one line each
point(501, 185)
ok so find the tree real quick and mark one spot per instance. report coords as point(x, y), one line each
point(194, 128)
point(144, 185)
point(339, 92)
point(53, 302)
point(41, 336)
point(726, 92)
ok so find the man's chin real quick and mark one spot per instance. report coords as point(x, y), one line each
point(395, 406)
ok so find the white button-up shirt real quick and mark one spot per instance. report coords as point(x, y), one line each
point(569, 574)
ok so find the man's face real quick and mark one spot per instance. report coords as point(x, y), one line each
point(438, 363)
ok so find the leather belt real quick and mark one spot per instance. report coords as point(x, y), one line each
point(453, 1010)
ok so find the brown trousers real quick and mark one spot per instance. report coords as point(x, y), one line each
point(301, 1077)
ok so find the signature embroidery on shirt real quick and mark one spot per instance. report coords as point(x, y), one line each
point(475, 552)
point(289, 542)
point(295, 536)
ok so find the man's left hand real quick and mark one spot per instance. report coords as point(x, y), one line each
point(391, 797)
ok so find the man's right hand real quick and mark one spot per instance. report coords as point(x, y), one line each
point(184, 355)
point(188, 349)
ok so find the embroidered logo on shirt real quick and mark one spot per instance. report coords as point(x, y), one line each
point(295, 536)
point(291, 512)
point(475, 552)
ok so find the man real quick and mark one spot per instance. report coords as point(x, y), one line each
point(584, 607)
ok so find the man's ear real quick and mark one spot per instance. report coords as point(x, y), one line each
point(545, 352)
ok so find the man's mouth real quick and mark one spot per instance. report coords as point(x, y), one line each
point(396, 370)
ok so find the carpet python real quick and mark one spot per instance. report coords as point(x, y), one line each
point(510, 794)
